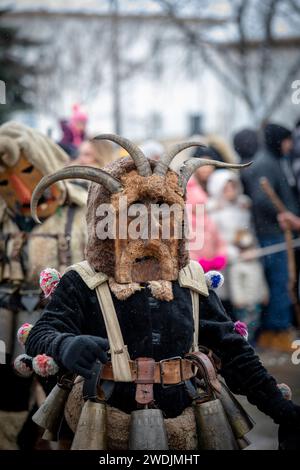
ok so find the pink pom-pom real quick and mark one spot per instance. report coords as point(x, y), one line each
point(44, 365)
point(241, 328)
point(23, 332)
point(49, 279)
point(23, 365)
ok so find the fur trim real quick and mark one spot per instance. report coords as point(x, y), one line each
point(123, 291)
point(162, 290)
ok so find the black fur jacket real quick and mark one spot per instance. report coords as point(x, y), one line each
point(157, 329)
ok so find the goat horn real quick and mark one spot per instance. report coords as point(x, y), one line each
point(141, 162)
point(190, 166)
point(163, 165)
point(82, 172)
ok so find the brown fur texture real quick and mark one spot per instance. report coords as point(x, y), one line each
point(11, 425)
point(101, 254)
point(162, 290)
point(181, 431)
point(123, 291)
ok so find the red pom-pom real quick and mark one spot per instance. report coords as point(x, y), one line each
point(44, 365)
point(49, 279)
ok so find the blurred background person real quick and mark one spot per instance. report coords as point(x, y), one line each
point(213, 252)
point(296, 154)
point(73, 131)
point(245, 286)
point(152, 149)
point(97, 153)
point(246, 144)
point(270, 163)
point(27, 248)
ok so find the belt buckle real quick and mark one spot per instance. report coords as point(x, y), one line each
point(161, 369)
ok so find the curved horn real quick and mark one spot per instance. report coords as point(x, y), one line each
point(163, 165)
point(82, 172)
point(9, 151)
point(141, 162)
point(190, 166)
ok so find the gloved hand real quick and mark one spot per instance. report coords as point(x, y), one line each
point(289, 437)
point(78, 353)
point(270, 400)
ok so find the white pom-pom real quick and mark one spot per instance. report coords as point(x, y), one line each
point(23, 365)
point(44, 365)
point(214, 279)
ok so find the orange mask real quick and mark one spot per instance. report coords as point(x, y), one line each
point(17, 184)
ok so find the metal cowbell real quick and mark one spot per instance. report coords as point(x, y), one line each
point(147, 430)
point(50, 414)
point(213, 429)
point(91, 431)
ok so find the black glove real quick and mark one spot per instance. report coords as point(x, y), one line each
point(78, 353)
point(269, 399)
point(289, 437)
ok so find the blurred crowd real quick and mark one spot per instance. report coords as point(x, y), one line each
point(243, 228)
point(239, 219)
point(243, 231)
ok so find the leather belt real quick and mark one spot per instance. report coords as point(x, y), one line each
point(172, 371)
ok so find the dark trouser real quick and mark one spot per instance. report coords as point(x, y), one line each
point(278, 314)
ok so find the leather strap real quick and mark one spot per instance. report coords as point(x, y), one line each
point(166, 372)
point(144, 380)
point(206, 370)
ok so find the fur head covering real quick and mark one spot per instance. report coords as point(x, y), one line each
point(101, 253)
point(41, 152)
point(135, 179)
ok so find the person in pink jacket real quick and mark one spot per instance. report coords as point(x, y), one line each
point(212, 252)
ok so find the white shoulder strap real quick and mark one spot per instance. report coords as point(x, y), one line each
point(192, 276)
point(87, 274)
point(119, 353)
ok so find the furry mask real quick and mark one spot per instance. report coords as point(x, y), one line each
point(140, 184)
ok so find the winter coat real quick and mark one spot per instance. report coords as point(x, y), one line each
point(245, 284)
point(267, 164)
point(151, 328)
point(213, 245)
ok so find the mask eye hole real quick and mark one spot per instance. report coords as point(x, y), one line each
point(4, 183)
point(28, 169)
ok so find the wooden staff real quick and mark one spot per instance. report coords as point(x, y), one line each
point(288, 235)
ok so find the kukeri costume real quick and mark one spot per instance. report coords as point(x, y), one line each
point(130, 319)
point(26, 247)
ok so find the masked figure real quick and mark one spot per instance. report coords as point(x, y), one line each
point(26, 247)
point(143, 326)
